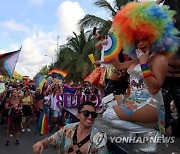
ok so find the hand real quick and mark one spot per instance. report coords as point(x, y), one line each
point(143, 57)
point(104, 42)
point(38, 147)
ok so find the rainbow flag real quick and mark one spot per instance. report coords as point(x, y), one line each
point(42, 127)
point(40, 80)
point(58, 73)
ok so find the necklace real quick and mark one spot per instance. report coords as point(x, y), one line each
point(84, 130)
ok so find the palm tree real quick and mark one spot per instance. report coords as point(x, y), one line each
point(73, 56)
point(103, 25)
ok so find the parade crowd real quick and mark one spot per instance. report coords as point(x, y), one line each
point(21, 105)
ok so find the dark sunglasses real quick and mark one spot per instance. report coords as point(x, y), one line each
point(86, 113)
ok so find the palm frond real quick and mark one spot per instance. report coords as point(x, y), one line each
point(91, 21)
point(106, 5)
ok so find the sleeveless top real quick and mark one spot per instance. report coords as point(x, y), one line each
point(140, 95)
point(26, 100)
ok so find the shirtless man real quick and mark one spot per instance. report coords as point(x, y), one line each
point(171, 87)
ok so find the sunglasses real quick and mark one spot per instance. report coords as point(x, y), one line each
point(86, 113)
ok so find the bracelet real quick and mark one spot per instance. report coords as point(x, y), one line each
point(146, 70)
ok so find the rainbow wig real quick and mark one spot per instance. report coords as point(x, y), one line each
point(147, 20)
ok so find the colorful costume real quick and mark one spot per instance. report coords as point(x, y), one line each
point(62, 140)
point(97, 77)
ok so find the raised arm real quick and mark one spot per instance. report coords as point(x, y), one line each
point(123, 66)
point(100, 44)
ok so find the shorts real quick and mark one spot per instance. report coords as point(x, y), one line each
point(27, 111)
point(129, 105)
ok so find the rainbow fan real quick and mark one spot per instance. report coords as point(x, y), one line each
point(112, 48)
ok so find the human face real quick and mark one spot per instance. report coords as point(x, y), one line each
point(38, 91)
point(26, 93)
point(14, 93)
point(84, 120)
point(143, 44)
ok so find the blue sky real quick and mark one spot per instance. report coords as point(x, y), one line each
point(35, 24)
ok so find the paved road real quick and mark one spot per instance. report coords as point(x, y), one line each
point(27, 139)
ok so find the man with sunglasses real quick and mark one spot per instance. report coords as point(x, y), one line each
point(77, 138)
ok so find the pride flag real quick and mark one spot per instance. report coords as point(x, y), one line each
point(42, 127)
point(58, 73)
point(8, 62)
point(40, 80)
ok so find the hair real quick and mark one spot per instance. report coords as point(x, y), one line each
point(85, 103)
point(148, 20)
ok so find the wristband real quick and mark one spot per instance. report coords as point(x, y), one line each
point(146, 70)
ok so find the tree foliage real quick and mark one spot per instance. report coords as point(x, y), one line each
point(73, 56)
point(44, 70)
point(17, 76)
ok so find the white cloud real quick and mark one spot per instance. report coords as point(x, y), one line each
point(38, 2)
point(68, 14)
point(35, 45)
point(110, 1)
point(34, 48)
point(14, 26)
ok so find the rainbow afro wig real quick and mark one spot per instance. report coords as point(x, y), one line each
point(147, 20)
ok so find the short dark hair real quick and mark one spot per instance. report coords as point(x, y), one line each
point(85, 103)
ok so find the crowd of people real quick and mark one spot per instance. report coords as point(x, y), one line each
point(21, 104)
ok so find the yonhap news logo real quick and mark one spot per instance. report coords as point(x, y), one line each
point(100, 139)
point(140, 139)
